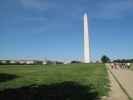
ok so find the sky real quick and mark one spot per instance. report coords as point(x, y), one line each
point(53, 29)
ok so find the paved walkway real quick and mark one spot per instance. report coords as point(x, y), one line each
point(125, 78)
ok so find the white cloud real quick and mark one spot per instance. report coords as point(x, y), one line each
point(38, 4)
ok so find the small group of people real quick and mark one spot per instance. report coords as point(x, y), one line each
point(120, 65)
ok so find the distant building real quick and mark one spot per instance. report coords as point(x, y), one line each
point(3, 61)
point(44, 62)
point(21, 61)
point(29, 62)
point(67, 62)
point(12, 62)
point(25, 61)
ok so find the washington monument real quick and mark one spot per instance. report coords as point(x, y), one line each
point(87, 56)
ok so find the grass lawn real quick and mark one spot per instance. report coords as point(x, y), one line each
point(53, 82)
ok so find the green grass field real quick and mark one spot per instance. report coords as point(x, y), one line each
point(65, 82)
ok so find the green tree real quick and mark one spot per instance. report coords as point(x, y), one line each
point(105, 59)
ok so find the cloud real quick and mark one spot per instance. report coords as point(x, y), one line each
point(37, 4)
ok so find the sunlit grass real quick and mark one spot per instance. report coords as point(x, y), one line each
point(85, 74)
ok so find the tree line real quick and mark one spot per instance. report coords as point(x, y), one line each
point(106, 59)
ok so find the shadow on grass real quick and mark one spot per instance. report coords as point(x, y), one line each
point(6, 77)
point(58, 91)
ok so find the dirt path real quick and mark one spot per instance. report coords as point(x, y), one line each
point(116, 92)
point(125, 77)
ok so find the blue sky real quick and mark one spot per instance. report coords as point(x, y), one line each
point(53, 29)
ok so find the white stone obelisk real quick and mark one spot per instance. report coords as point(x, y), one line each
point(87, 56)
